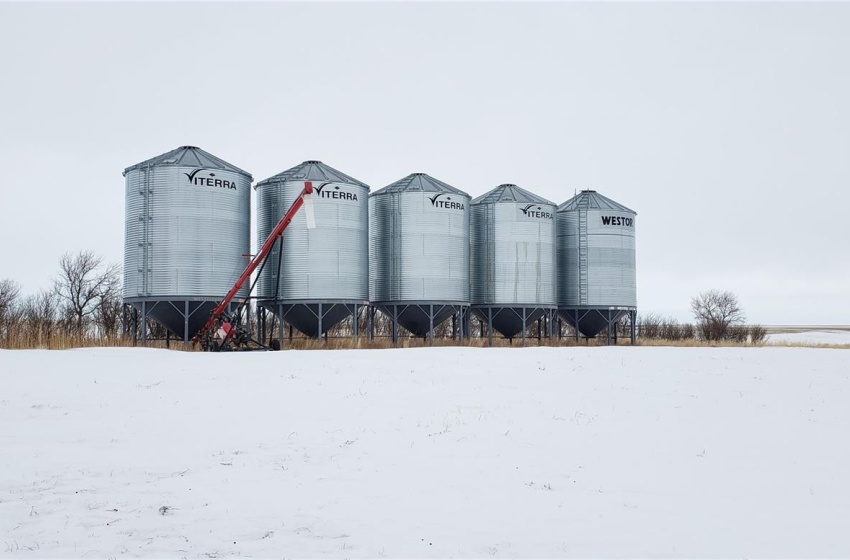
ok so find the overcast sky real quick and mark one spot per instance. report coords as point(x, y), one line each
point(726, 127)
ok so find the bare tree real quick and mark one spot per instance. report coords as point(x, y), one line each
point(9, 292)
point(9, 308)
point(83, 283)
point(716, 312)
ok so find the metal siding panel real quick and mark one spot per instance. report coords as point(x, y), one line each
point(184, 240)
point(567, 224)
point(420, 252)
point(329, 262)
point(515, 260)
point(610, 259)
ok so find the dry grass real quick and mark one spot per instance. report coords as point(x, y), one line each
point(70, 342)
point(694, 343)
point(348, 343)
point(62, 343)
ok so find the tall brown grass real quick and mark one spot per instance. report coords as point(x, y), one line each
point(65, 342)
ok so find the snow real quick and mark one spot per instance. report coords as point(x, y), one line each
point(435, 452)
point(811, 337)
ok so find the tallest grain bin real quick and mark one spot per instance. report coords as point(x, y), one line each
point(596, 263)
point(187, 236)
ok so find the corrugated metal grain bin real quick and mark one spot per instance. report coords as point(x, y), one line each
point(187, 234)
point(596, 261)
point(513, 256)
point(419, 250)
point(325, 270)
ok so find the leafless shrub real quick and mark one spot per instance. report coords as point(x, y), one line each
point(649, 326)
point(40, 318)
point(757, 334)
point(670, 330)
point(737, 333)
point(657, 327)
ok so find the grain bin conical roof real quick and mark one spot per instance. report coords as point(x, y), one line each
point(311, 170)
point(509, 192)
point(592, 200)
point(419, 182)
point(189, 156)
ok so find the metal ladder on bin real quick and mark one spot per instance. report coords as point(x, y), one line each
point(582, 257)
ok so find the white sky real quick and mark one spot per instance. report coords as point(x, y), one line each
point(725, 126)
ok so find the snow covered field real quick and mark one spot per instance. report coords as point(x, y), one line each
point(443, 452)
point(810, 337)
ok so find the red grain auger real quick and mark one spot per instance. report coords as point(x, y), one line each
point(223, 330)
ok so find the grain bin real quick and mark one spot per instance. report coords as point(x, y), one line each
point(419, 252)
point(512, 251)
point(187, 234)
point(596, 262)
point(323, 275)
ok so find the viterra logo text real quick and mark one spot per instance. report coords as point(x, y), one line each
point(533, 211)
point(446, 203)
point(618, 221)
point(210, 181)
point(334, 193)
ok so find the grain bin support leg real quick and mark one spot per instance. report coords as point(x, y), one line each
point(261, 324)
point(321, 334)
point(632, 320)
point(144, 323)
point(280, 331)
point(576, 324)
point(489, 326)
point(395, 325)
point(608, 324)
point(523, 325)
point(615, 332)
point(370, 322)
point(186, 322)
point(355, 330)
point(430, 325)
